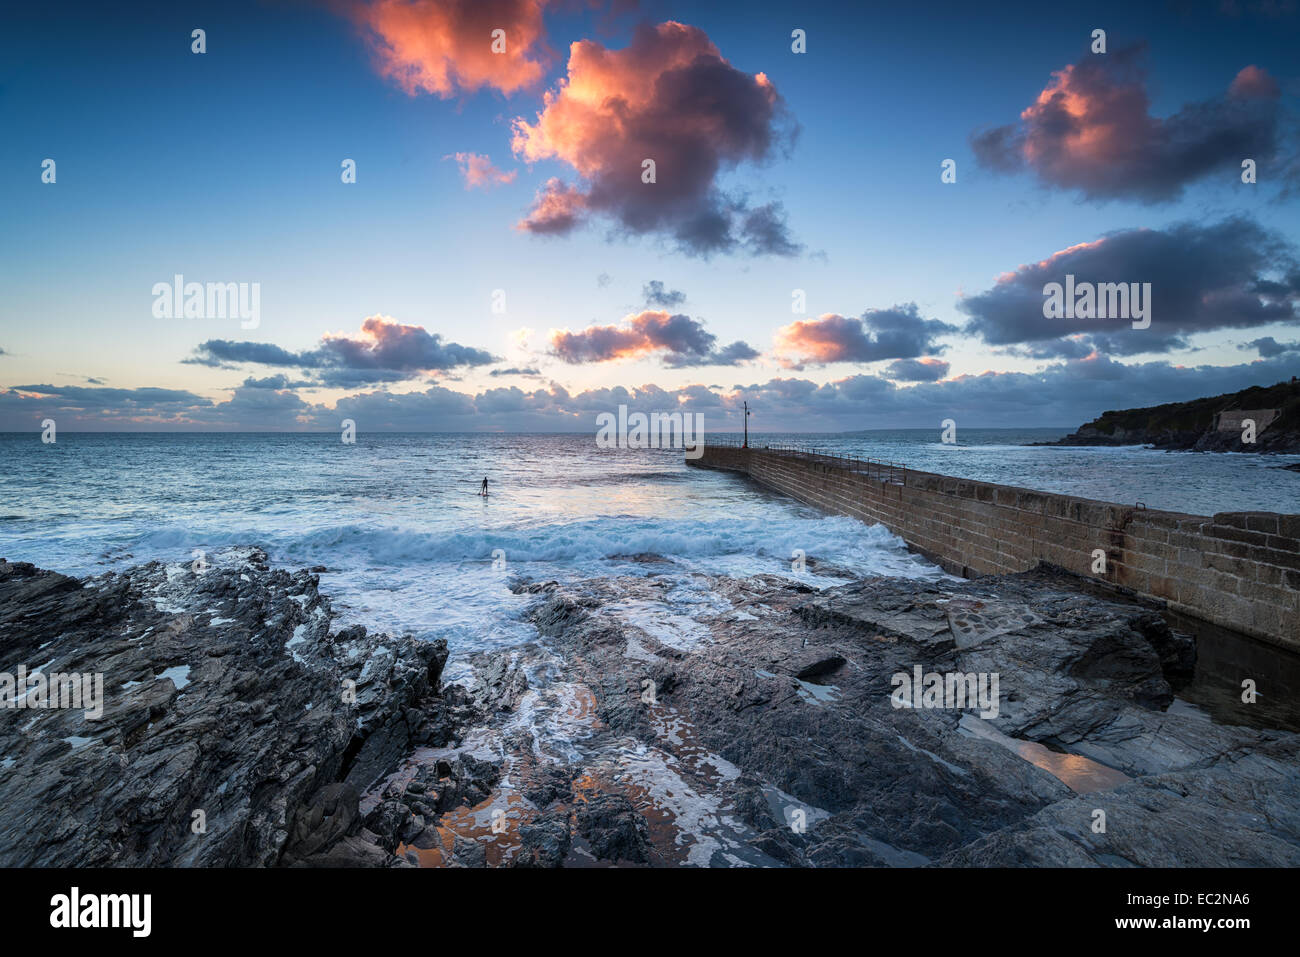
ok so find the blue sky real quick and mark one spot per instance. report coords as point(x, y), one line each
point(225, 167)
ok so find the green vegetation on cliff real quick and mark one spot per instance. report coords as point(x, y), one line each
point(1190, 425)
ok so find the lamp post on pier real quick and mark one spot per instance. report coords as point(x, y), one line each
point(746, 445)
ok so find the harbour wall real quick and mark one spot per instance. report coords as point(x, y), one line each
point(1240, 570)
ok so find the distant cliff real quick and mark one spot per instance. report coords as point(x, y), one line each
point(1215, 424)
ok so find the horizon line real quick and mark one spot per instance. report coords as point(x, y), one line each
point(752, 432)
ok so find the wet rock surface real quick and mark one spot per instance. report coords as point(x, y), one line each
point(785, 696)
point(671, 718)
point(759, 728)
point(237, 727)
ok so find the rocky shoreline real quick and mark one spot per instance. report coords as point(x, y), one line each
point(759, 727)
point(225, 728)
point(1194, 426)
point(1274, 443)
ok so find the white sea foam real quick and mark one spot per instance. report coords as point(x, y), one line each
point(410, 548)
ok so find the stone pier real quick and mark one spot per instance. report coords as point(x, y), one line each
point(1240, 570)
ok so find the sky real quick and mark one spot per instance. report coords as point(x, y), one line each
point(433, 234)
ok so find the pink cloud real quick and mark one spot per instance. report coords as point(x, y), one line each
point(479, 173)
point(1091, 129)
point(681, 340)
point(900, 332)
point(446, 46)
point(557, 208)
point(669, 97)
point(1252, 81)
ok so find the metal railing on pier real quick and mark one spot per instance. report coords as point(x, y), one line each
point(880, 469)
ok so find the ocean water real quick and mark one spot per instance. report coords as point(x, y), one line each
point(410, 547)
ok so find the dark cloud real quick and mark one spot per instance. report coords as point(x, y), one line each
point(1091, 130)
point(763, 232)
point(270, 382)
point(656, 295)
point(515, 371)
point(678, 339)
point(82, 397)
point(730, 355)
point(916, 370)
point(672, 98)
point(1202, 278)
point(1065, 394)
point(1112, 344)
point(434, 406)
point(384, 351)
point(72, 406)
point(1067, 347)
point(255, 405)
point(543, 409)
point(1270, 348)
point(388, 348)
point(277, 382)
point(700, 396)
point(224, 353)
point(897, 333)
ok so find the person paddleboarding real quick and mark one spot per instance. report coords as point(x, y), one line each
point(483, 491)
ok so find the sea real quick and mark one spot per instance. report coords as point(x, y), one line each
point(409, 546)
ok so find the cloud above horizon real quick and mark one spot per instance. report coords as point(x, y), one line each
point(384, 351)
point(671, 97)
point(1065, 394)
point(1269, 348)
point(1091, 130)
point(102, 404)
point(897, 333)
point(1231, 274)
point(677, 339)
point(652, 292)
point(927, 369)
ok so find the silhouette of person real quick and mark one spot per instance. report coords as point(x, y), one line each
point(484, 490)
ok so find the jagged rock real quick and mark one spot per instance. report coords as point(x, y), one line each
point(548, 785)
point(500, 682)
point(470, 782)
point(330, 816)
point(469, 853)
point(1236, 809)
point(544, 841)
point(389, 820)
point(765, 732)
point(228, 720)
point(613, 828)
point(793, 689)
